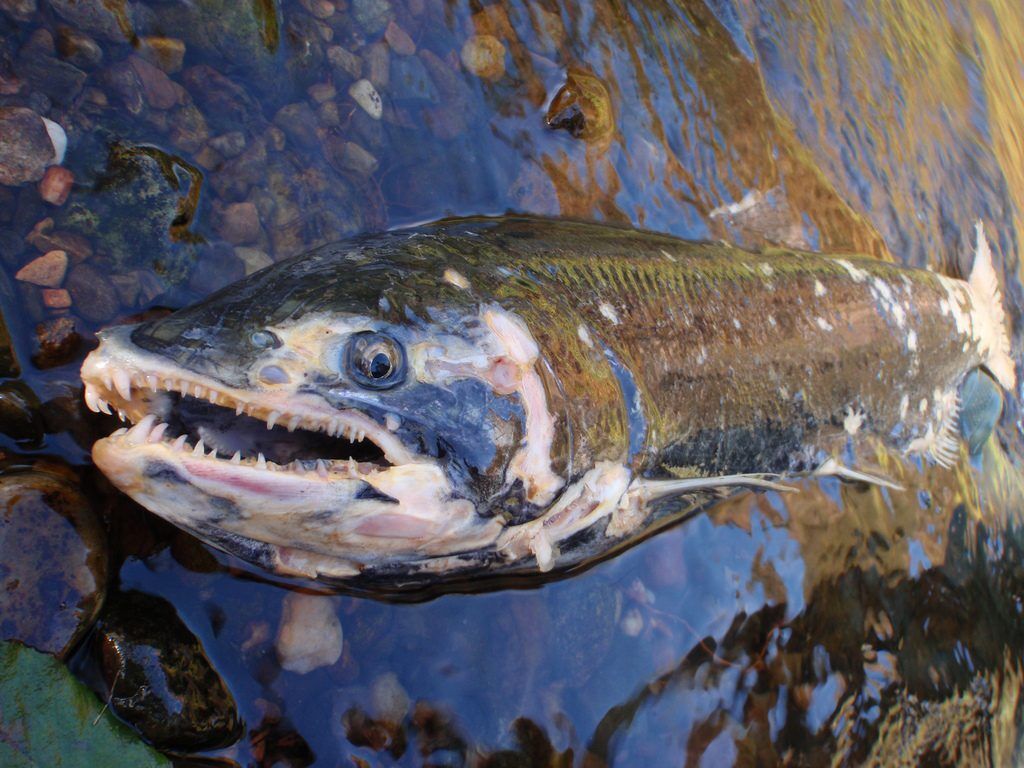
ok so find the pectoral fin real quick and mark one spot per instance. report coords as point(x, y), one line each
point(832, 468)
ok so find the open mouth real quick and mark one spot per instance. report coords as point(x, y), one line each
point(233, 427)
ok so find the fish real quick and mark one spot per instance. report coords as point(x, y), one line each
point(523, 396)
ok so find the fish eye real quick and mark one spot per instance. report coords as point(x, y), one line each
point(375, 360)
point(264, 340)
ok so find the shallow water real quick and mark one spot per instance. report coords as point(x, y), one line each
point(841, 625)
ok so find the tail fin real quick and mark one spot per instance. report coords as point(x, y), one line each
point(988, 315)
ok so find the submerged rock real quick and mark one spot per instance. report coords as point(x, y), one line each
point(583, 108)
point(19, 415)
point(158, 677)
point(53, 559)
point(26, 148)
point(310, 635)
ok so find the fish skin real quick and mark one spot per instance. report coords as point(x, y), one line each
point(658, 357)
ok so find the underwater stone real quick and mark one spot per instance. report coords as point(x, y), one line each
point(372, 15)
point(484, 56)
point(78, 48)
point(108, 19)
point(46, 271)
point(159, 678)
point(310, 635)
point(52, 558)
point(168, 53)
point(583, 108)
point(56, 184)
point(57, 342)
point(26, 148)
point(93, 297)
point(366, 96)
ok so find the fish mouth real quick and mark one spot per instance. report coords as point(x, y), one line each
point(187, 413)
point(316, 490)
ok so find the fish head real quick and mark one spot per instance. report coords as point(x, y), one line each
point(333, 414)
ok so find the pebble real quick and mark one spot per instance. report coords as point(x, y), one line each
point(22, 10)
point(230, 144)
point(366, 96)
point(372, 15)
point(321, 92)
point(349, 156)
point(310, 635)
point(159, 678)
point(55, 186)
point(299, 124)
point(484, 56)
point(377, 65)
point(168, 53)
point(20, 420)
point(78, 48)
point(399, 40)
point(389, 701)
point(57, 342)
point(46, 271)
point(583, 108)
point(105, 19)
point(43, 238)
point(158, 89)
point(26, 146)
point(344, 63)
point(52, 590)
point(56, 298)
point(239, 224)
point(93, 296)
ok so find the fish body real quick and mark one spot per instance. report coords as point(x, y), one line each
point(518, 394)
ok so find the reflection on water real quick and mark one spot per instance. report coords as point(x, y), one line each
point(206, 139)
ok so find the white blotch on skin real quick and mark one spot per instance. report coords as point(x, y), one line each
point(736, 323)
point(668, 255)
point(584, 335)
point(766, 269)
point(819, 288)
point(771, 321)
point(904, 406)
point(310, 634)
point(859, 275)
point(912, 341)
point(854, 420)
point(824, 324)
point(609, 312)
point(454, 278)
point(923, 405)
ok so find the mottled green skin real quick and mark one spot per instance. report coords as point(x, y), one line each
point(722, 387)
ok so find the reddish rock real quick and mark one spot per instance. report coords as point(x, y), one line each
point(93, 296)
point(399, 40)
point(56, 298)
point(46, 271)
point(168, 53)
point(158, 89)
point(239, 223)
point(55, 185)
point(57, 341)
point(25, 146)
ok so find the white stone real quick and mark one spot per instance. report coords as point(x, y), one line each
point(366, 96)
point(310, 634)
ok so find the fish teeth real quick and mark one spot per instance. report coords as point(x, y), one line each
point(272, 419)
point(214, 396)
point(261, 462)
point(92, 399)
point(321, 468)
point(104, 406)
point(200, 450)
point(333, 427)
point(296, 466)
point(360, 436)
point(293, 423)
point(108, 381)
point(122, 415)
point(392, 422)
point(239, 408)
point(137, 435)
point(179, 443)
point(157, 434)
point(237, 458)
point(151, 382)
point(119, 432)
point(123, 384)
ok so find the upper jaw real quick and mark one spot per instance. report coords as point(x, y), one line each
point(121, 378)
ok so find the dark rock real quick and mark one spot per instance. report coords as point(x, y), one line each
point(158, 677)
point(349, 156)
point(377, 65)
point(229, 145)
point(19, 415)
point(188, 128)
point(299, 124)
point(305, 50)
point(107, 19)
point(411, 82)
point(158, 89)
point(44, 238)
point(372, 15)
point(25, 146)
point(19, 10)
point(168, 53)
point(57, 342)
point(92, 295)
point(583, 108)
point(53, 559)
point(78, 49)
point(239, 223)
point(345, 64)
point(399, 40)
point(233, 181)
point(226, 102)
point(121, 80)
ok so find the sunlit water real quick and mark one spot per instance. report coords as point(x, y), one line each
point(841, 625)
